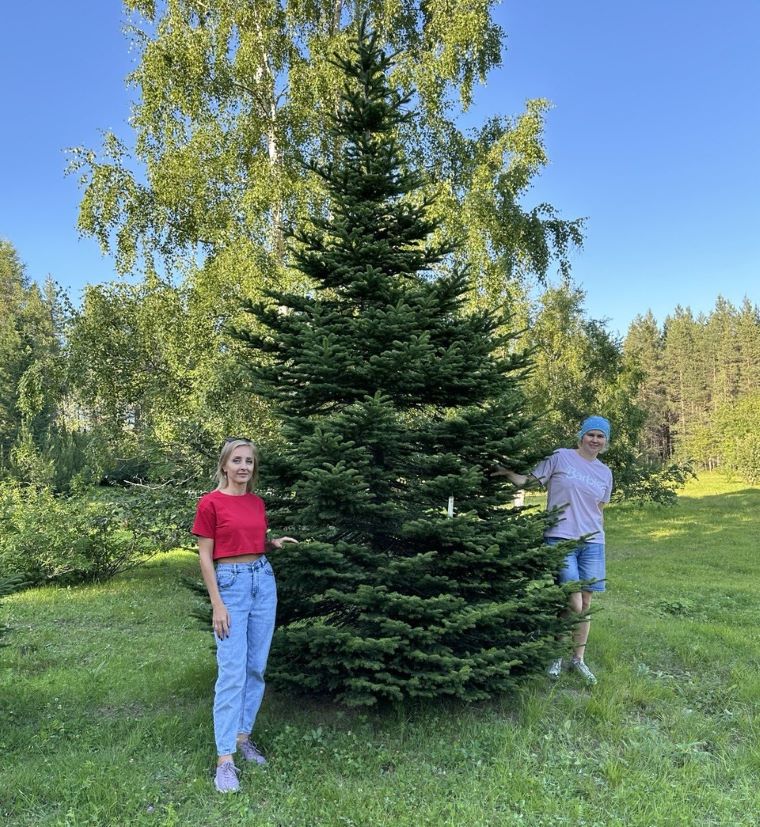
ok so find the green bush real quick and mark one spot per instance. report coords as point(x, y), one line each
point(94, 535)
point(641, 482)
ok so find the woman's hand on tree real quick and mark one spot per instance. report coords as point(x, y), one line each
point(516, 479)
point(278, 542)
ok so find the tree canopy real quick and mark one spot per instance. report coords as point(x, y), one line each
point(231, 95)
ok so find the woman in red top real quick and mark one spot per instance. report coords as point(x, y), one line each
point(231, 527)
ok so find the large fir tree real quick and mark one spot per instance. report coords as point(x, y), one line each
point(392, 400)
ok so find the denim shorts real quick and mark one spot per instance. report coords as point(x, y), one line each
point(584, 562)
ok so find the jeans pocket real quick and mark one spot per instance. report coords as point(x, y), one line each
point(225, 578)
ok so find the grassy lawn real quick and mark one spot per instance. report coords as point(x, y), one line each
point(105, 698)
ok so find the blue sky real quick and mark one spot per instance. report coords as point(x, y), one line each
point(654, 138)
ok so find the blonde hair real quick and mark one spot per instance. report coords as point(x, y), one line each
point(227, 448)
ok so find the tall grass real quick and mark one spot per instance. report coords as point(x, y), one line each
point(105, 694)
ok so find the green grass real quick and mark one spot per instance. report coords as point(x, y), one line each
point(105, 706)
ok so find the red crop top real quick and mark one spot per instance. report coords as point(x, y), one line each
point(236, 524)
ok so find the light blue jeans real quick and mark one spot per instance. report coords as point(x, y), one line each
point(250, 594)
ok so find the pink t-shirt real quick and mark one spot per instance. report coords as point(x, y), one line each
point(580, 485)
point(236, 524)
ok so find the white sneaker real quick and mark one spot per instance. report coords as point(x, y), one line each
point(583, 670)
point(555, 669)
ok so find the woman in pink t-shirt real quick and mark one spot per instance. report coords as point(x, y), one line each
point(579, 484)
point(231, 527)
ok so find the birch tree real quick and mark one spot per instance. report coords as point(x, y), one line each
point(230, 95)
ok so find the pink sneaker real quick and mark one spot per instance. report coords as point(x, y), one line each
point(226, 778)
point(251, 752)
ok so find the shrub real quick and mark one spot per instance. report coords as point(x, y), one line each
point(640, 482)
point(91, 536)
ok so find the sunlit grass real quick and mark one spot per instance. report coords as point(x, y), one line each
point(105, 706)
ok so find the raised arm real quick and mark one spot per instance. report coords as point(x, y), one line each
point(520, 480)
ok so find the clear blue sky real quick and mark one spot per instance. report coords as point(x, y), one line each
point(654, 137)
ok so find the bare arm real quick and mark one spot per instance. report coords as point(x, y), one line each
point(278, 542)
point(221, 617)
point(520, 480)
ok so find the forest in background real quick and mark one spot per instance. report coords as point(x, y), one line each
point(143, 381)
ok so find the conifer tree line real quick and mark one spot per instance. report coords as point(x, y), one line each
point(700, 385)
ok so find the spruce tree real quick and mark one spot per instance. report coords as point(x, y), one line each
point(392, 400)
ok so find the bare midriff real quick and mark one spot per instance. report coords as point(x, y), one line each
point(239, 558)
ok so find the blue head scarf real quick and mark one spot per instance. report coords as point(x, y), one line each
point(595, 423)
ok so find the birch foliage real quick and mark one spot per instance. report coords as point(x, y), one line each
point(230, 95)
